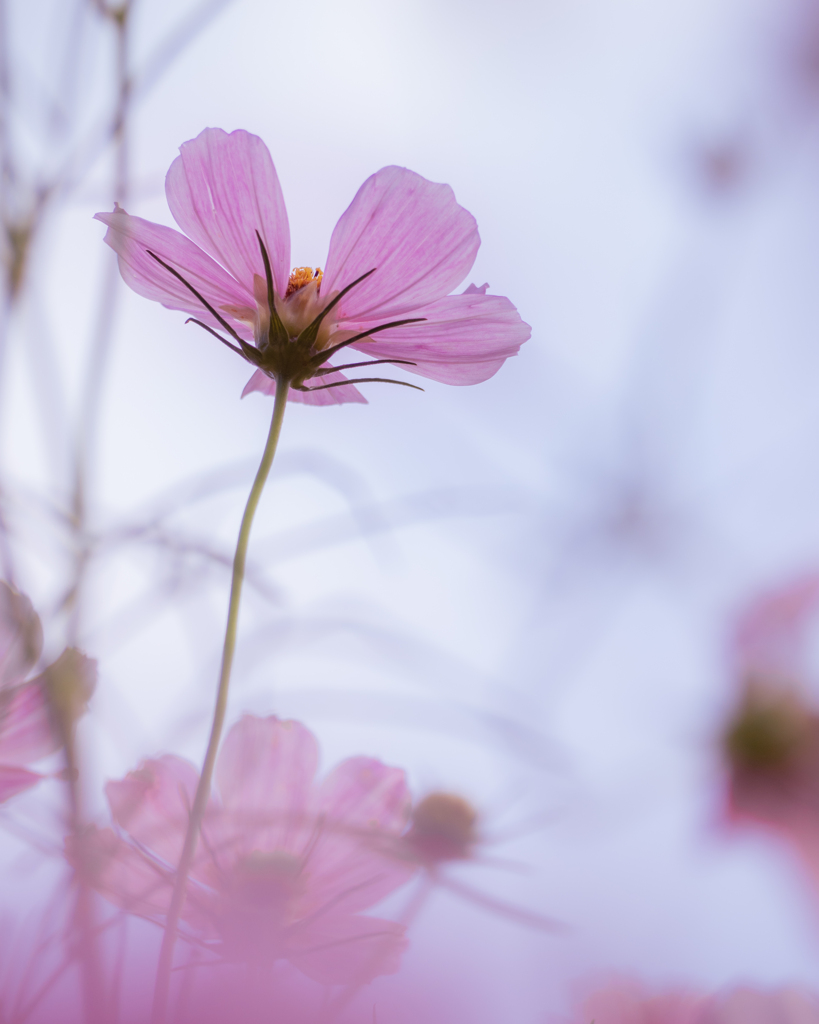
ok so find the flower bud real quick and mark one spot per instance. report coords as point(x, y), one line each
point(70, 683)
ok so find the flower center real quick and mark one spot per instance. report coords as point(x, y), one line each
point(768, 731)
point(300, 276)
point(443, 827)
point(257, 903)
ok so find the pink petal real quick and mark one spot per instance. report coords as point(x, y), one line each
point(27, 730)
point(14, 780)
point(626, 1002)
point(152, 805)
point(120, 873)
point(347, 949)
point(131, 237)
point(265, 773)
point(21, 636)
point(753, 1006)
point(364, 793)
point(363, 805)
point(330, 396)
point(463, 340)
point(222, 189)
point(771, 633)
point(419, 240)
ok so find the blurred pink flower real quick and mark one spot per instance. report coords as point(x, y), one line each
point(395, 255)
point(627, 1002)
point(284, 864)
point(770, 636)
point(771, 740)
point(34, 713)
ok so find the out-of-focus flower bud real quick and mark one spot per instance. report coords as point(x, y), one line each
point(770, 743)
point(769, 732)
point(443, 828)
point(70, 683)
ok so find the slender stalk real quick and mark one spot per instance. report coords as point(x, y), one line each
point(88, 953)
point(101, 344)
point(203, 789)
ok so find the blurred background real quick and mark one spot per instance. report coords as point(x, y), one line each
point(521, 591)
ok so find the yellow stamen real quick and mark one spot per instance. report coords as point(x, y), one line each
point(300, 276)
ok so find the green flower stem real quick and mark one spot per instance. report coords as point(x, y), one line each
point(200, 800)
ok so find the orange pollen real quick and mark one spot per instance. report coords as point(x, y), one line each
point(300, 276)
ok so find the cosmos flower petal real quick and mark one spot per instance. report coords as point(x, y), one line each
point(27, 729)
point(221, 190)
point(464, 339)
point(329, 396)
point(152, 804)
point(748, 1005)
point(348, 949)
point(362, 792)
point(362, 803)
point(626, 1002)
point(14, 780)
point(21, 636)
point(413, 232)
point(770, 634)
point(265, 773)
point(132, 237)
point(120, 872)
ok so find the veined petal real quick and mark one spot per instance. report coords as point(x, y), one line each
point(347, 949)
point(120, 873)
point(329, 396)
point(21, 636)
point(771, 635)
point(222, 189)
point(14, 780)
point(363, 806)
point(152, 804)
point(464, 339)
point(132, 237)
point(27, 729)
point(413, 232)
point(265, 773)
point(364, 793)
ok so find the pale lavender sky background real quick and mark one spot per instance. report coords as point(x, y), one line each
point(568, 538)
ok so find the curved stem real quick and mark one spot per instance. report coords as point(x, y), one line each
point(203, 789)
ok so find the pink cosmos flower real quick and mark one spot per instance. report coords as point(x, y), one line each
point(771, 740)
point(284, 864)
point(32, 722)
point(627, 1002)
point(395, 255)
